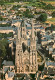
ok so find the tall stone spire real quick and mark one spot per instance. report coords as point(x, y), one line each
point(19, 32)
point(32, 30)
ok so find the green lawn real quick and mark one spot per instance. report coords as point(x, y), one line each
point(52, 21)
point(36, 4)
point(8, 3)
point(51, 10)
point(50, 2)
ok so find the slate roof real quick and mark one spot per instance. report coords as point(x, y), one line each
point(38, 28)
point(49, 70)
point(14, 21)
point(6, 69)
point(10, 74)
point(50, 63)
point(28, 27)
point(6, 28)
point(7, 63)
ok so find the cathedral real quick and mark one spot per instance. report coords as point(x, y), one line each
point(26, 53)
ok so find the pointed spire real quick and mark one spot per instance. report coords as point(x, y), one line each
point(32, 29)
point(19, 31)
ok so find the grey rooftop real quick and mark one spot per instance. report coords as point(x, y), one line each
point(7, 63)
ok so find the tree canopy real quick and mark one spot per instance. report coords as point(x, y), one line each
point(1, 18)
point(43, 17)
point(3, 45)
point(4, 35)
point(49, 6)
point(53, 14)
point(28, 14)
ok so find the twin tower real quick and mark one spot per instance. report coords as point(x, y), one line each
point(26, 53)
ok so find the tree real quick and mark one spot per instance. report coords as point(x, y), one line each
point(4, 35)
point(28, 14)
point(40, 68)
point(51, 27)
point(15, 7)
point(53, 14)
point(1, 18)
point(19, 12)
point(3, 45)
point(49, 6)
point(43, 17)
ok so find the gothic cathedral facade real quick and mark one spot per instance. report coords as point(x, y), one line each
point(26, 53)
